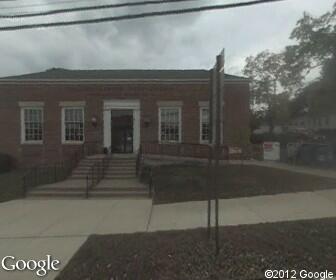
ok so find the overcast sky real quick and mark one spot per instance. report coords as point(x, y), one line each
point(181, 42)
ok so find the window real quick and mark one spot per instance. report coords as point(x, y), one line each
point(204, 125)
point(170, 124)
point(32, 125)
point(73, 124)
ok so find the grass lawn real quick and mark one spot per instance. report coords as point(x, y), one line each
point(11, 185)
point(188, 183)
point(246, 252)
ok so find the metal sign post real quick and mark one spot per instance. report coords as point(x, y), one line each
point(216, 139)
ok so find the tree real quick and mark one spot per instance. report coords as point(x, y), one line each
point(315, 48)
point(265, 70)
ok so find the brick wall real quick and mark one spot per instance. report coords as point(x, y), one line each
point(236, 113)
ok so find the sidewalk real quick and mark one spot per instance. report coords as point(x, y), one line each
point(31, 229)
point(328, 173)
point(250, 210)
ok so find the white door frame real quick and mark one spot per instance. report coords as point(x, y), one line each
point(132, 104)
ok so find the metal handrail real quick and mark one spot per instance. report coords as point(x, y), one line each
point(139, 161)
point(49, 173)
point(95, 175)
point(151, 183)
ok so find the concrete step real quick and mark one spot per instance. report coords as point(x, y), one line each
point(75, 172)
point(120, 172)
point(120, 189)
point(121, 166)
point(117, 194)
point(112, 167)
point(59, 189)
point(122, 161)
point(50, 194)
point(78, 176)
point(82, 168)
point(126, 176)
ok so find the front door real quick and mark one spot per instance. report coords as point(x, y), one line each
point(122, 131)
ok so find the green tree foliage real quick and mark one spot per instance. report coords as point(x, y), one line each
point(277, 77)
point(315, 47)
point(265, 71)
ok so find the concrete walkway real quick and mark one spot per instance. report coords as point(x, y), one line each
point(249, 210)
point(327, 173)
point(31, 229)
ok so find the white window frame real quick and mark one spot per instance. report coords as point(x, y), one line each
point(23, 125)
point(200, 124)
point(64, 141)
point(179, 109)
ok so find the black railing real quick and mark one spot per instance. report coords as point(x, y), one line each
point(151, 183)
point(91, 148)
point(139, 161)
point(95, 174)
point(49, 173)
point(52, 173)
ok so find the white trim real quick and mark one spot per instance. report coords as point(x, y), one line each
point(128, 104)
point(169, 103)
point(203, 103)
point(179, 108)
point(23, 140)
point(120, 104)
point(201, 108)
point(65, 142)
point(72, 104)
point(31, 104)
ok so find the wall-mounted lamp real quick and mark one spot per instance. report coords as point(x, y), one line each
point(94, 121)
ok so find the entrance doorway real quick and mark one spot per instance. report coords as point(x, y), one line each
point(122, 131)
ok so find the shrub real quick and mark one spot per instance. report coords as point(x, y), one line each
point(5, 163)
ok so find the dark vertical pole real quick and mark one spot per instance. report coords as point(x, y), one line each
point(87, 187)
point(219, 136)
point(210, 150)
point(35, 174)
point(24, 186)
point(55, 172)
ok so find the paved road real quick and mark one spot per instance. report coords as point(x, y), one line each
point(34, 228)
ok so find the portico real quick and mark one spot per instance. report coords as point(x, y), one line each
point(123, 138)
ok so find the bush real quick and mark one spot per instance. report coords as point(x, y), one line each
point(5, 163)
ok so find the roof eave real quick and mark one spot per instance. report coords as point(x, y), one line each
point(113, 81)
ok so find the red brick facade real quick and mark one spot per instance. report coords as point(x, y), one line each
point(94, 94)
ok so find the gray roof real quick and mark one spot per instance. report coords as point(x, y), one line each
point(66, 74)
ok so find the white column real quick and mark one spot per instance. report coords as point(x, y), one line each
point(107, 129)
point(136, 130)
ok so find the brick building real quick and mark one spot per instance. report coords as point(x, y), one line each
point(46, 116)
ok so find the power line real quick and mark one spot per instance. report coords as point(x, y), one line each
point(41, 5)
point(88, 8)
point(136, 16)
